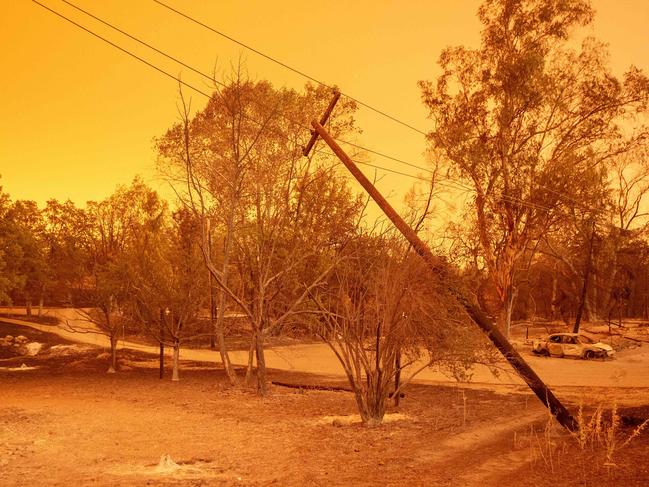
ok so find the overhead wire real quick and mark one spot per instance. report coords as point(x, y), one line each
point(212, 79)
point(125, 51)
point(448, 183)
point(457, 185)
point(190, 86)
point(322, 83)
point(287, 66)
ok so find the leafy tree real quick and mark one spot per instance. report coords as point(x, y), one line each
point(115, 224)
point(523, 118)
point(169, 283)
point(30, 262)
point(66, 237)
point(10, 251)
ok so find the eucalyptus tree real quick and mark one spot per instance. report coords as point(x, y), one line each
point(523, 117)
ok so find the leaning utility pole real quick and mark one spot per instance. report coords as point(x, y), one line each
point(534, 382)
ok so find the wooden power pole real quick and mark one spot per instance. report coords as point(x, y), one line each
point(162, 344)
point(438, 268)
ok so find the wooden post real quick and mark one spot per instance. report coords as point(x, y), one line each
point(438, 267)
point(323, 120)
point(162, 345)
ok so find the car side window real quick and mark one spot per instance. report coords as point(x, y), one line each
point(555, 339)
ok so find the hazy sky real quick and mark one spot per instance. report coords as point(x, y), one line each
point(78, 116)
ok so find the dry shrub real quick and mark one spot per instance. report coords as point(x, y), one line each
point(591, 450)
point(601, 433)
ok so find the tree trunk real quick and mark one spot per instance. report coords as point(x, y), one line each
point(219, 324)
point(161, 372)
point(504, 318)
point(376, 396)
point(397, 377)
point(211, 287)
point(584, 289)
point(554, 313)
point(645, 303)
point(174, 375)
point(28, 305)
point(376, 412)
point(212, 309)
point(113, 353)
point(223, 351)
point(262, 388)
point(251, 355)
point(610, 283)
point(40, 305)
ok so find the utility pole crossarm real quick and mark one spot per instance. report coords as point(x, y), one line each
point(535, 383)
point(323, 120)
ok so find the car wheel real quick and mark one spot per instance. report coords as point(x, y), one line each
point(589, 354)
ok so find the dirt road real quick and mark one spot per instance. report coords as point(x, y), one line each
point(630, 369)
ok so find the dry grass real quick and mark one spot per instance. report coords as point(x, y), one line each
point(598, 449)
point(601, 432)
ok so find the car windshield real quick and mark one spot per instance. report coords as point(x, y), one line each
point(585, 339)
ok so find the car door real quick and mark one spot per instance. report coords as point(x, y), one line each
point(554, 345)
point(571, 346)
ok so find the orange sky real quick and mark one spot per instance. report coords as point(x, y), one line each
point(78, 116)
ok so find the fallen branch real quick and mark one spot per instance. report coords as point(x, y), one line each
point(313, 387)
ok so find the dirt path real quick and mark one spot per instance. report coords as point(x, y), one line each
point(630, 369)
point(475, 449)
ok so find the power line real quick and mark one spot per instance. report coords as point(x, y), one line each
point(162, 71)
point(125, 51)
point(315, 80)
point(456, 185)
point(136, 39)
point(290, 68)
point(212, 79)
point(459, 185)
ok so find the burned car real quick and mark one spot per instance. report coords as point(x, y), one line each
point(572, 345)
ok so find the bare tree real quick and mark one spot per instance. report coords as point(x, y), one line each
point(238, 164)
